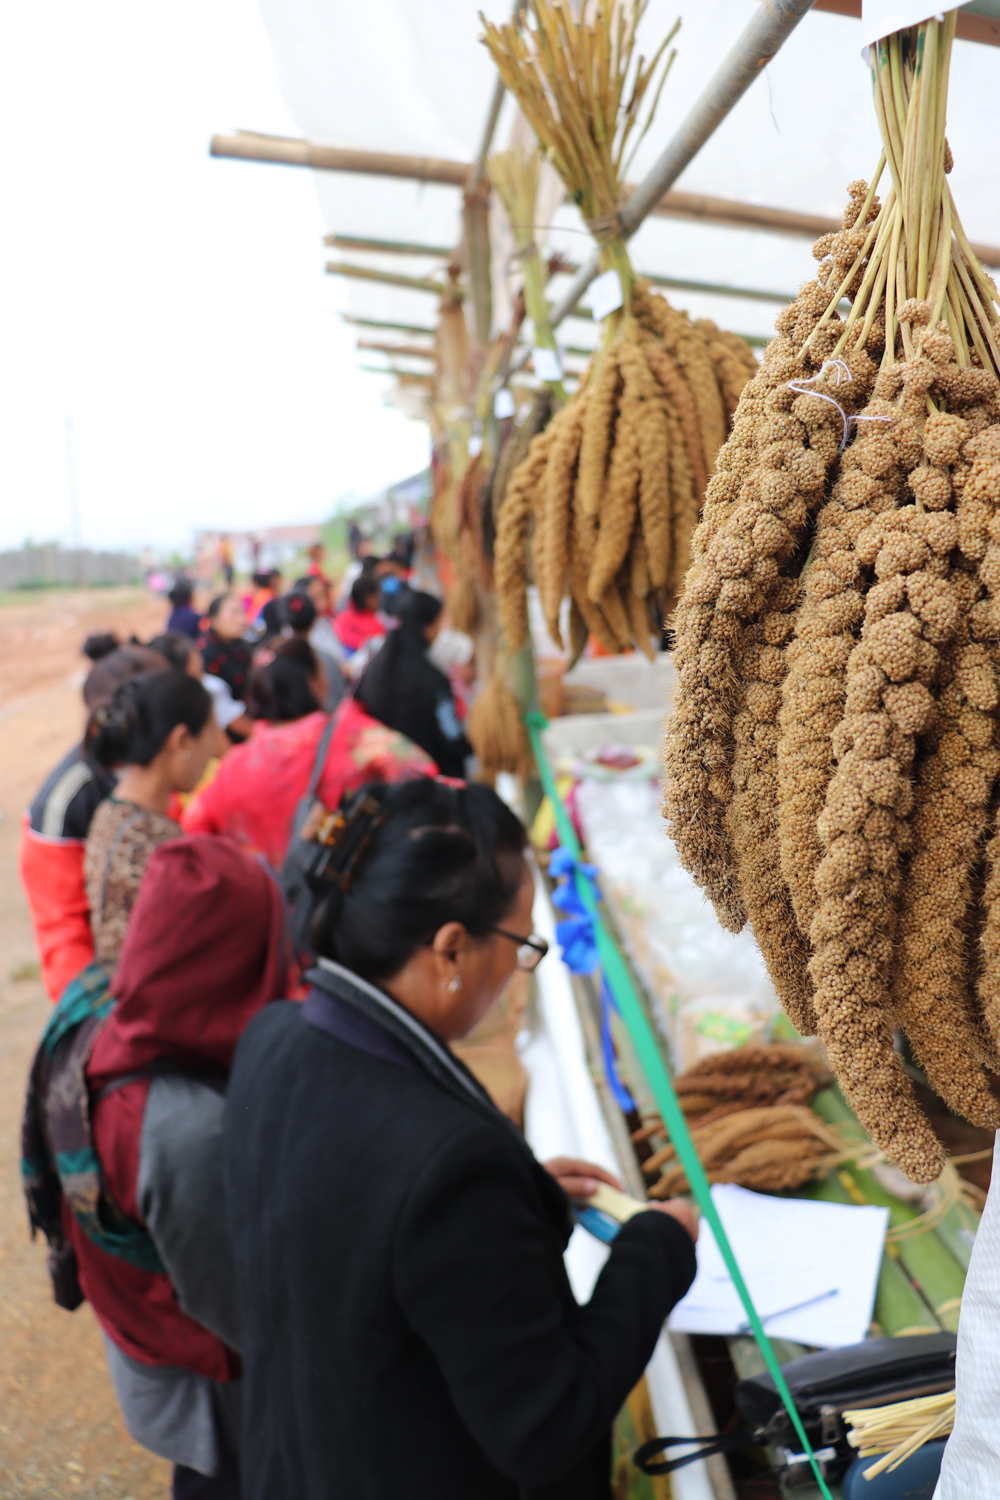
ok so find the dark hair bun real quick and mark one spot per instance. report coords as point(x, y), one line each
point(133, 728)
point(444, 854)
point(100, 645)
point(298, 611)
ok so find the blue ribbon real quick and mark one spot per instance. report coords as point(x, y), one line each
point(578, 941)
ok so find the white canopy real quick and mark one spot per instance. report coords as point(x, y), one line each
point(397, 76)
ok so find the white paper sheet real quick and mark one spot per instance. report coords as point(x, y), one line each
point(605, 294)
point(883, 17)
point(548, 365)
point(789, 1251)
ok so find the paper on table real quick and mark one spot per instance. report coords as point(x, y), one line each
point(789, 1250)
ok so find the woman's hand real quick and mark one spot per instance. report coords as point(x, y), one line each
point(682, 1212)
point(579, 1179)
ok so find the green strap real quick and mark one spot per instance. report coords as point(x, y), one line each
point(620, 980)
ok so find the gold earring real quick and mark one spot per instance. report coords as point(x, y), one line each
point(454, 984)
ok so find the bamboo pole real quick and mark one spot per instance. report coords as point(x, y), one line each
point(751, 294)
point(390, 278)
point(387, 247)
point(415, 351)
point(699, 207)
point(405, 377)
point(417, 328)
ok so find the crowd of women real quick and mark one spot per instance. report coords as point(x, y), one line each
point(324, 1263)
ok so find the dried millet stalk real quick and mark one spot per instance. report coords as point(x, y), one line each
point(813, 691)
point(752, 816)
point(909, 615)
point(560, 475)
point(740, 552)
point(618, 508)
point(978, 517)
point(598, 425)
point(952, 796)
point(653, 437)
point(688, 346)
point(510, 550)
point(675, 388)
point(733, 362)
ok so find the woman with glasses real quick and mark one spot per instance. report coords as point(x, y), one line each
point(408, 1325)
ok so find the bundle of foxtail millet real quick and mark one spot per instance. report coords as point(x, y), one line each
point(608, 497)
point(832, 758)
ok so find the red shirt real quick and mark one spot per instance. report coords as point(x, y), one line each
point(258, 787)
point(356, 626)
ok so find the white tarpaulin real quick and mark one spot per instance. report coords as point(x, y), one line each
point(397, 76)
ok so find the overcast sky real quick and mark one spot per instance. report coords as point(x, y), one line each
point(173, 307)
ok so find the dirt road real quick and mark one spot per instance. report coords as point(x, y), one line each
point(60, 1430)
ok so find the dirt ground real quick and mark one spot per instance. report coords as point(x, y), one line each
point(60, 1430)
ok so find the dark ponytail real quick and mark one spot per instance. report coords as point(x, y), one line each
point(133, 728)
point(279, 690)
point(444, 854)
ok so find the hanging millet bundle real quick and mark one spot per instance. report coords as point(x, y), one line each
point(832, 757)
point(610, 512)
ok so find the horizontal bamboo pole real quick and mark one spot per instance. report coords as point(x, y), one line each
point(415, 351)
point(391, 278)
point(248, 145)
point(417, 328)
point(716, 288)
point(387, 247)
point(280, 150)
point(405, 377)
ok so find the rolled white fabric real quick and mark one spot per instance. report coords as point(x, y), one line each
point(970, 1469)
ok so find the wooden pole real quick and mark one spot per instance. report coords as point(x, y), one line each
point(390, 278)
point(280, 150)
point(417, 351)
point(387, 247)
point(405, 377)
point(700, 207)
point(417, 328)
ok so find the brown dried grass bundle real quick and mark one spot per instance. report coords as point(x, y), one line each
point(496, 730)
point(833, 760)
point(636, 444)
point(769, 1149)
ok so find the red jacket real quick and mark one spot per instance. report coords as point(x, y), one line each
point(50, 862)
point(204, 952)
point(258, 786)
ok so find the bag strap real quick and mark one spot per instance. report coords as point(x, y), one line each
point(322, 750)
point(161, 1067)
point(705, 1447)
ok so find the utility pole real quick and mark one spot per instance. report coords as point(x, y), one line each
point(74, 503)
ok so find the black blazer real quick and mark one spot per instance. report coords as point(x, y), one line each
point(408, 1325)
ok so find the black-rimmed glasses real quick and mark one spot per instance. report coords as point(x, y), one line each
point(530, 950)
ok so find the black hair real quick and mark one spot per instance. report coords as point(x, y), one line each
point(271, 620)
point(369, 564)
point(217, 603)
point(445, 854)
point(112, 670)
point(133, 728)
point(363, 589)
point(298, 612)
point(181, 593)
point(261, 580)
point(279, 690)
point(174, 648)
point(301, 585)
point(100, 645)
point(294, 648)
